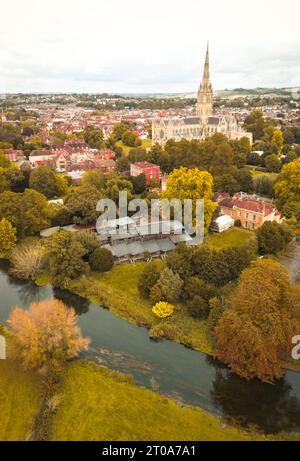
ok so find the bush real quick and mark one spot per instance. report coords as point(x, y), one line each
point(89, 240)
point(101, 260)
point(149, 277)
point(272, 238)
point(198, 307)
point(163, 309)
point(28, 261)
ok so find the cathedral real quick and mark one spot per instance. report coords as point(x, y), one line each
point(203, 124)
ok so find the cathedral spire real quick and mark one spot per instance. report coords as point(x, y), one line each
point(206, 78)
point(204, 107)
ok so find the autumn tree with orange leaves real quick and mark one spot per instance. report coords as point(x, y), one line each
point(255, 334)
point(46, 334)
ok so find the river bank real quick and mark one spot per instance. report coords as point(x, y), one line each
point(184, 375)
point(117, 291)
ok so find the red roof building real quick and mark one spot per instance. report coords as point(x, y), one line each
point(251, 212)
point(150, 170)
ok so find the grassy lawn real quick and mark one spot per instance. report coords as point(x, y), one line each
point(20, 399)
point(99, 404)
point(232, 237)
point(146, 144)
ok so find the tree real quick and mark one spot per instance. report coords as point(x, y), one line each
point(28, 260)
point(139, 183)
point(273, 163)
point(47, 182)
point(101, 260)
point(278, 139)
point(81, 203)
point(287, 189)
point(192, 184)
point(46, 334)
point(131, 139)
point(149, 277)
point(28, 212)
point(94, 138)
point(89, 240)
point(168, 287)
point(245, 180)
point(180, 261)
point(93, 178)
point(7, 236)
point(4, 161)
point(272, 238)
point(263, 184)
point(254, 334)
point(65, 258)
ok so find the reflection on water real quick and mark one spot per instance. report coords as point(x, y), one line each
point(273, 408)
point(79, 304)
point(166, 367)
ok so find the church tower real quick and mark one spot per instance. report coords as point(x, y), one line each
point(204, 108)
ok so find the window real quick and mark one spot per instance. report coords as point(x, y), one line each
point(246, 224)
point(254, 217)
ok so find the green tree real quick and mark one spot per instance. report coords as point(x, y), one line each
point(287, 189)
point(273, 163)
point(168, 288)
point(101, 260)
point(272, 238)
point(28, 212)
point(47, 182)
point(139, 184)
point(94, 138)
point(81, 203)
point(7, 236)
point(65, 258)
point(93, 178)
point(149, 277)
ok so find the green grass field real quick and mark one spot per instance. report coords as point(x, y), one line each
point(146, 144)
point(233, 237)
point(98, 404)
point(20, 399)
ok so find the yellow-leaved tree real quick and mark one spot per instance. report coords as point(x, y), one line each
point(185, 183)
point(46, 334)
point(287, 189)
point(7, 236)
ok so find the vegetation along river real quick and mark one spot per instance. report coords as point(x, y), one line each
point(166, 367)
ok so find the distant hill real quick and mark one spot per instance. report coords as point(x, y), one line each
point(225, 94)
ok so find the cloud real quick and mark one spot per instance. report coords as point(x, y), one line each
point(139, 46)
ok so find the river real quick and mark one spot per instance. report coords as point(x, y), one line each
point(185, 375)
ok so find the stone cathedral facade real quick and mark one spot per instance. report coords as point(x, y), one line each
point(203, 124)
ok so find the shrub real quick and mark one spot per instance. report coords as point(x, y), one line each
point(89, 240)
point(101, 260)
point(149, 277)
point(28, 260)
point(272, 238)
point(163, 309)
point(168, 287)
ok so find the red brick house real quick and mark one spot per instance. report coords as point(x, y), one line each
point(250, 211)
point(150, 170)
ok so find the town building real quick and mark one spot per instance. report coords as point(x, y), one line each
point(201, 125)
point(150, 171)
point(251, 211)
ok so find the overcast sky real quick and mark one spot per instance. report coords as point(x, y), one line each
point(127, 46)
